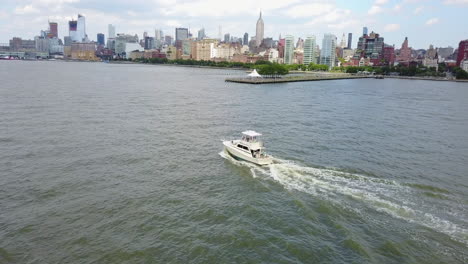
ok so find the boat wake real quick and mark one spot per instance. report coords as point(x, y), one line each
point(345, 188)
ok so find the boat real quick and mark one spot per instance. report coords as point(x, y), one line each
point(249, 148)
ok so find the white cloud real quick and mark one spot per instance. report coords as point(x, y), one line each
point(432, 21)
point(375, 10)
point(381, 2)
point(397, 8)
point(392, 27)
point(418, 10)
point(456, 2)
point(308, 10)
point(24, 10)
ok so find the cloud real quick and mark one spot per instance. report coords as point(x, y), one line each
point(24, 10)
point(375, 10)
point(308, 10)
point(397, 7)
point(432, 21)
point(392, 27)
point(456, 2)
point(381, 2)
point(418, 10)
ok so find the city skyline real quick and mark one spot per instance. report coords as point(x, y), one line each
point(422, 21)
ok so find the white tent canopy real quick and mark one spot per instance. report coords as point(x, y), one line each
point(254, 74)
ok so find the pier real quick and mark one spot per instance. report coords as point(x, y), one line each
point(304, 78)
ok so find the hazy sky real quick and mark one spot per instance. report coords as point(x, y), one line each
point(425, 22)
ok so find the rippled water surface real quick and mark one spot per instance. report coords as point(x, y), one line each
point(109, 163)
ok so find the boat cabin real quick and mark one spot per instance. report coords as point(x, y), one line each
point(251, 143)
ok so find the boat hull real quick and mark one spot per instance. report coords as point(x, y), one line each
point(239, 154)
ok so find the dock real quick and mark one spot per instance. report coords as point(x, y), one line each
point(296, 79)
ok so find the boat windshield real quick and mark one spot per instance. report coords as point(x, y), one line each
point(250, 139)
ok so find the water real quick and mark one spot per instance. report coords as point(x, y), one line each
point(106, 163)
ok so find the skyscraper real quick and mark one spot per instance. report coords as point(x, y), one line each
point(343, 42)
point(81, 28)
point(364, 31)
point(328, 52)
point(201, 34)
point(72, 30)
point(309, 50)
point(111, 29)
point(246, 38)
point(289, 49)
point(100, 39)
point(53, 30)
point(350, 40)
point(259, 31)
point(181, 34)
point(227, 37)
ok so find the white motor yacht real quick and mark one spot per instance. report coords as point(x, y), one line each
point(249, 148)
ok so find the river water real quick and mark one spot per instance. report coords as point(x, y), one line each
point(113, 163)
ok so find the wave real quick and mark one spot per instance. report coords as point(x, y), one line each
point(383, 195)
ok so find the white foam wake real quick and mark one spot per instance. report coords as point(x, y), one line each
point(383, 195)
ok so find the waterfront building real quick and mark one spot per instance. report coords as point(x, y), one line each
point(309, 50)
point(260, 30)
point(464, 65)
point(101, 39)
point(187, 47)
point(289, 49)
point(201, 34)
point(328, 52)
point(348, 54)
point(130, 47)
point(204, 49)
point(122, 40)
point(111, 31)
point(55, 46)
point(42, 44)
point(83, 51)
point(246, 39)
point(462, 52)
point(350, 40)
point(19, 44)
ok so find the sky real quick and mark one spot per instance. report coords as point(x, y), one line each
point(441, 23)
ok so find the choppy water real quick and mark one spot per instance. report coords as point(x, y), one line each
point(105, 163)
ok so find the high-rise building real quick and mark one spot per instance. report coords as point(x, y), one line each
point(309, 50)
point(201, 34)
point(246, 38)
point(343, 41)
point(53, 30)
point(364, 31)
point(328, 52)
point(111, 29)
point(149, 43)
point(370, 46)
point(288, 49)
point(101, 39)
point(81, 28)
point(227, 38)
point(350, 40)
point(462, 52)
point(181, 34)
point(259, 31)
point(168, 40)
point(72, 30)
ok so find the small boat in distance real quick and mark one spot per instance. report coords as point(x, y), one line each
point(249, 148)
